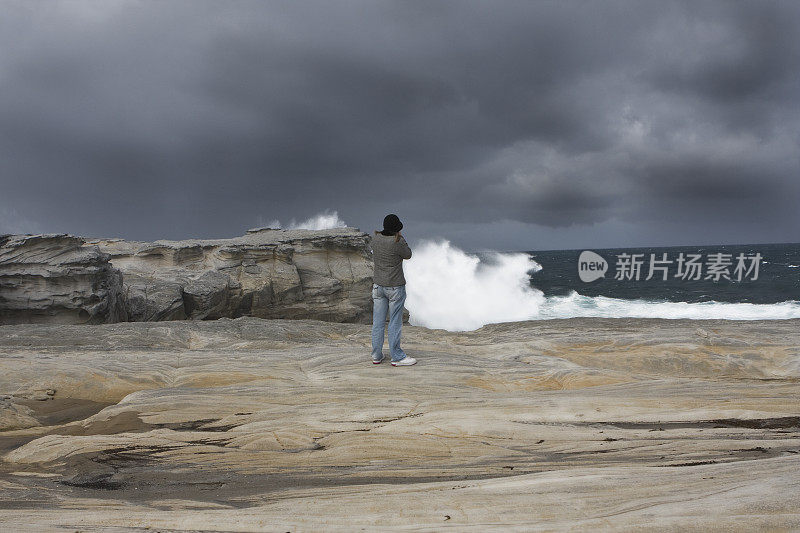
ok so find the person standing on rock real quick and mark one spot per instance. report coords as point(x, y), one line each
point(389, 248)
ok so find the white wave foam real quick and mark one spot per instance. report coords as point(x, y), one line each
point(578, 305)
point(449, 289)
point(324, 220)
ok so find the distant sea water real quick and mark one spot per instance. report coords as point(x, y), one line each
point(451, 289)
point(773, 294)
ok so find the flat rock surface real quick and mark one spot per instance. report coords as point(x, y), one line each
point(251, 424)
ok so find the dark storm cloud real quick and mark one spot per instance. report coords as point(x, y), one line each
point(178, 119)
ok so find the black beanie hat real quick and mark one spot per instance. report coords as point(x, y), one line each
point(392, 224)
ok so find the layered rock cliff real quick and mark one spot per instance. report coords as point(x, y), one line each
point(267, 273)
point(56, 278)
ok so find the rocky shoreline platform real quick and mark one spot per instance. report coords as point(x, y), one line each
point(253, 424)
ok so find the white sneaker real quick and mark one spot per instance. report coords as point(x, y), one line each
point(406, 361)
point(379, 361)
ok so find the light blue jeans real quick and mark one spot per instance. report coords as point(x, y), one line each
point(389, 299)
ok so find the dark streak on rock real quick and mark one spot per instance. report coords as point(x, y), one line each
point(194, 425)
point(393, 419)
point(784, 422)
point(693, 463)
point(93, 481)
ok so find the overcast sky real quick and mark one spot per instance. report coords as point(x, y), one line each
point(496, 125)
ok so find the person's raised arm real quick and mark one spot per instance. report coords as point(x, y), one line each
point(403, 248)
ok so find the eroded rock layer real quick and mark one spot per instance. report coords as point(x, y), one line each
point(57, 278)
point(267, 273)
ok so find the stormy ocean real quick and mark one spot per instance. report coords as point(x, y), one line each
point(777, 281)
point(451, 289)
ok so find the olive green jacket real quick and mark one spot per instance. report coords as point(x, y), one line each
point(387, 256)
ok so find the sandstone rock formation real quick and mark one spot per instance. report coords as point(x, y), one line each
point(286, 425)
point(267, 273)
point(56, 278)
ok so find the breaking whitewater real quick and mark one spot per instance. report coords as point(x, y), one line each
point(451, 289)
